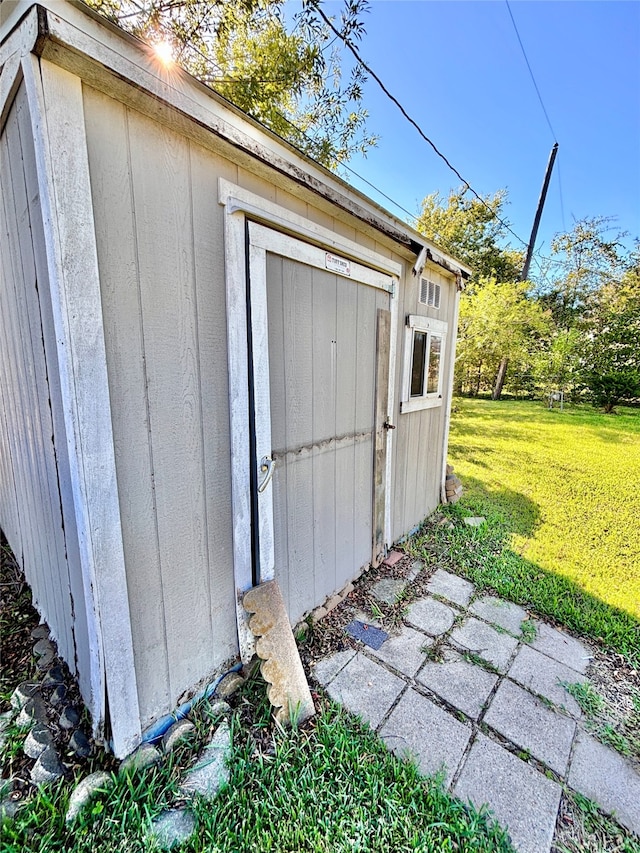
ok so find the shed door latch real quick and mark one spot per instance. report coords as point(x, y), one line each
point(388, 425)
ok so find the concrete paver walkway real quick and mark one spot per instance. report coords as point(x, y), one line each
point(486, 709)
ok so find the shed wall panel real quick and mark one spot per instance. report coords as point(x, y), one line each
point(160, 252)
point(417, 454)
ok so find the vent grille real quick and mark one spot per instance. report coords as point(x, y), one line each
point(429, 293)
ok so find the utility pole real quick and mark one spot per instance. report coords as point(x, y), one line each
point(524, 275)
point(536, 222)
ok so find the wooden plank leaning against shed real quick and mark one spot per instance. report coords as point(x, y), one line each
point(55, 100)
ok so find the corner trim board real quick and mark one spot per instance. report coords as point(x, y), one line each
point(57, 111)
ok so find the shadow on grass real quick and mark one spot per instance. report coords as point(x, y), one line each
point(513, 510)
point(483, 555)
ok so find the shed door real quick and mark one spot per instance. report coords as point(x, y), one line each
point(320, 344)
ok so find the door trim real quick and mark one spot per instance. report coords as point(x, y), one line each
point(240, 205)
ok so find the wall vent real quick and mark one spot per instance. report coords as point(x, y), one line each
point(429, 293)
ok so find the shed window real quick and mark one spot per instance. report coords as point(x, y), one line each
point(423, 363)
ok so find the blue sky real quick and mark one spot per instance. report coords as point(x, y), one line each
point(459, 71)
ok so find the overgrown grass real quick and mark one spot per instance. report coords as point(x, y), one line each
point(566, 483)
point(559, 491)
point(333, 787)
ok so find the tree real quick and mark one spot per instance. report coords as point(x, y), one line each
point(498, 320)
point(611, 361)
point(285, 73)
point(583, 261)
point(473, 231)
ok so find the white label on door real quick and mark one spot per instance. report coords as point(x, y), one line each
point(336, 264)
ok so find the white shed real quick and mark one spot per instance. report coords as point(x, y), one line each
point(205, 341)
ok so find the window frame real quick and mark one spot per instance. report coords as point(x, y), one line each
point(432, 328)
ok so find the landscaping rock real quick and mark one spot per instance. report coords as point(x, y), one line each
point(8, 808)
point(431, 616)
point(41, 632)
point(388, 590)
point(210, 772)
point(47, 768)
point(476, 521)
point(85, 791)
point(53, 677)
point(216, 710)
point(144, 756)
point(80, 744)
point(43, 647)
point(33, 712)
point(451, 587)
point(24, 691)
point(45, 660)
point(58, 696)
point(45, 652)
point(178, 733)
point(38, 739)
point(230, 683)
point(69, 717)
point(172, 827)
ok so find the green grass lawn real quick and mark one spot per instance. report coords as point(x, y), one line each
point(561, 493)
point(333, 788)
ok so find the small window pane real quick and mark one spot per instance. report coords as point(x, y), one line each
point(433, 375)
point(417, 364)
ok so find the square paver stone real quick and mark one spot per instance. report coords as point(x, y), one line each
point(431, 616)
point(327, 668)
point(420, 729)
point(603, 775)
point(503, 613)
point(545, 676)
point(405, 652)
point(365, 688)
point(525, 721)
point(451, 587)
point(561, 647)
point(483, 640)
point(460, 683)
point(388, 590)
point(523, 800)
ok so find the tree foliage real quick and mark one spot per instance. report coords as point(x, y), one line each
point(611, 359)
point(473, 231)
point(497, 320)
point(288, 74)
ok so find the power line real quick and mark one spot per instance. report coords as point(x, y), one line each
point(392, 98)
point(533, 79)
